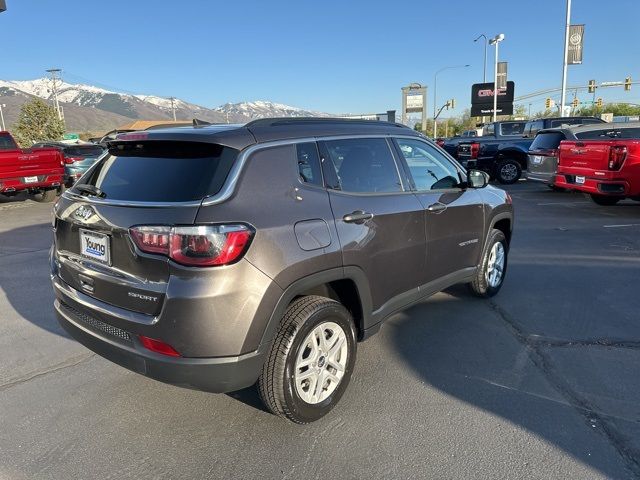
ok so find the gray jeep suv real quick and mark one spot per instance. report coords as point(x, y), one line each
point(215, 257)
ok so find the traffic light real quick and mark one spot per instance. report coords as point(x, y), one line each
point(599, 102)
point(575, 102)
point(627, 84)
point(547, 103)
point(592, 86)
point(453, 103)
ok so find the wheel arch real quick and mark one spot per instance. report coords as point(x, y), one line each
point(513, 154)
point(347, 285)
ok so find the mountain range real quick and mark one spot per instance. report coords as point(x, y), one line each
point(88, 108)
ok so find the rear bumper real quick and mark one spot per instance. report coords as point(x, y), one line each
point(16, 184)
point(595, 186)
point(218, 374)
point(548, 178)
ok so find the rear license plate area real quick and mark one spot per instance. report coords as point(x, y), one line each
point(95, 246)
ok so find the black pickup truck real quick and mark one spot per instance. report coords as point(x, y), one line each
point(502, 149)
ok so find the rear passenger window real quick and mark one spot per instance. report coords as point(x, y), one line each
point(429, 168)
point(309, 163)
point(363, 165)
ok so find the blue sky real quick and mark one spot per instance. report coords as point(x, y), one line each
point(336, 56)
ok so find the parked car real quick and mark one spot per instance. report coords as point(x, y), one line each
point(503, 148)
point(608, 169)
point(542, 161)
point(38, 171)
point(218, 256)
point(77, 158)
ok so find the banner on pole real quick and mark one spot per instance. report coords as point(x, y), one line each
point(574, 48)
point(502, 75)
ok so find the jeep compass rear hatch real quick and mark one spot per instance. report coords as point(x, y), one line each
point(120, 232)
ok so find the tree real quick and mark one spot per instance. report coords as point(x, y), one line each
point(37, 122)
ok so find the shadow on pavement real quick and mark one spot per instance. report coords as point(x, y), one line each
point(24, 274)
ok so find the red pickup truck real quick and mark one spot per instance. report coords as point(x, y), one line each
point(608, 170)
point(39, 171)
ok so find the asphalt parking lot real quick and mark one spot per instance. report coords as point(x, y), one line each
point(540, 382)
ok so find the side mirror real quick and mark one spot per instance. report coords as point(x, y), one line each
point(477, 179)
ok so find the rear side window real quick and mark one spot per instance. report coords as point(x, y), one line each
point(512, 129)
point(363, 165)
point(309, 163)
point(7, 143)
point(162, 171)
point(547, 141)
point(533, 127)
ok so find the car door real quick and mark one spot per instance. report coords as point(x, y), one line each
point(453, 214)
point(380, 222)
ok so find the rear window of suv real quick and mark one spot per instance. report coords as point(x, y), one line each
point(547, 141)
point(162, 171)
point(88, 151)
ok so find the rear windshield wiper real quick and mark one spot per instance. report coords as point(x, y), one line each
point(90, 190)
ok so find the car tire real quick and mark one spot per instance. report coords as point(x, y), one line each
point(494, 261)
point(508, 171)
point(46, 196)
point(605, 200)
point(282, 384)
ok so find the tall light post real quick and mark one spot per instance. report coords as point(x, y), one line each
point(484, 70)
point(2, 115)
point(563, 96)
point(495, 41)
point(435, 98)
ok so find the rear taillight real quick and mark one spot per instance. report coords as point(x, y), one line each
point(617, 154)
point(474, 149)
point(200, 246)
point(158, 346)
point(70, 160)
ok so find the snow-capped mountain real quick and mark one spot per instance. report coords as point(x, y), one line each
point(266, 109)
point(107, 104)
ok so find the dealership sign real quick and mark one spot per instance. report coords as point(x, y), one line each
point(482, 99)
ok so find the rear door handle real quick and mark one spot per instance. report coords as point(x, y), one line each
point(359, 216)
point(437, 207)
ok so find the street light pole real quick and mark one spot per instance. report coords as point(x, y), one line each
point(435, 96)
point(484, 70)
point(2, 115)
point(495, 41)
point(563, 96)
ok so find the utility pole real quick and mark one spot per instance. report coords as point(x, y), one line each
point(54, 80)
point(173, 108)
point(563, 96)
point(2, 115)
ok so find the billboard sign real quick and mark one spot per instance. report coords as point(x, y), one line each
point(482, 99)
point(574, 48)
point(414, 103)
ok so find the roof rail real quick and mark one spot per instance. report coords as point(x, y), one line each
point(279, 121)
